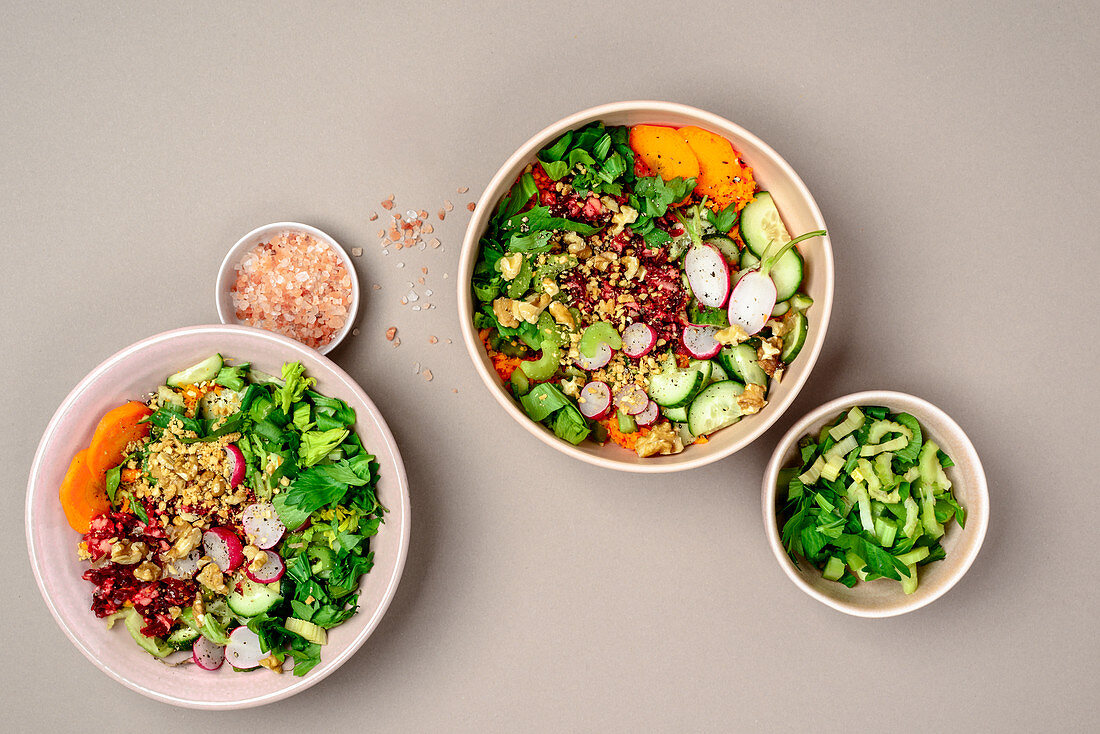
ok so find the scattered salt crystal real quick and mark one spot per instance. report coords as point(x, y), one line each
point(463, 189)
point(385, 252)
point(428, 375)
point(434, 243)
point(427, 229)
point(445, 276)
point(412, 297)
point(432, 340)
point(428, 293)
point(472, 205)
point(448, 205)
point(355, 332)
point(356, 251)
point(416, 308)
point(400, 265)
point(416, 367)
point(376, 287)
point(410, 214)
point(373, 216)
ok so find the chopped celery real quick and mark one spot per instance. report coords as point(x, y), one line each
point(885, 531)
point(842, 447)
point(909, 583)
point(914, 556)
point(852, 422)
point(834, 569)
point(832, 467)
point(862, 462)
point(810, 475)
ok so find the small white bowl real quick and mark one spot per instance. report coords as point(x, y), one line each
point(227, 274)
point(884, 597)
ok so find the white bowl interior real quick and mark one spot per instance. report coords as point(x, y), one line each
point(884, 597)
point(136, 371)
point(227, 273)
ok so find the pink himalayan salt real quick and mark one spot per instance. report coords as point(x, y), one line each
point(293, 285)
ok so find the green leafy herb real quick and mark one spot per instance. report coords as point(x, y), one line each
point(114, 476)
point(316, 445)
point(235, 378)
point(724, 220)
point(296, 385)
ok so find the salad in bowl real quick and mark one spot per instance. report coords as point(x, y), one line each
point(637, 285)
point(226, 518)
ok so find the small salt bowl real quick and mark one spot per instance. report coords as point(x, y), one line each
point(227, 274)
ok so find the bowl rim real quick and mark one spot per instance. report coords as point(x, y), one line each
point(224, 302)
point(299, 684)
point(467, 258)
point(977, 518)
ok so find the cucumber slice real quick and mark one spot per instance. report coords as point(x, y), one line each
point(627, 424)
point(674, 388)
point(798, 327)
point(168, 396)
point(152, 645)
point(253, 599)
point(676, 415)
point(725, 245)
point(704, 366)
point(715, 408)
point(182, 638)
point(743, 365)
point(800, 301)
point(787, 273)
point(203, 371)
point(718, 373)
point(725, 361)
point(761, 225)
point(781, 308)
point(220, 404)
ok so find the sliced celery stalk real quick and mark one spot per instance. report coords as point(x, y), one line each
point(853, 422)
point(834, 569)
point(914, 556)
point(909, 584)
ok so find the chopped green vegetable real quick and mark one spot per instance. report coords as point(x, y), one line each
point(859, 518)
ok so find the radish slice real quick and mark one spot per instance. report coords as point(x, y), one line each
point(708, 275)
point(262, 524)
point(632, 399)
point(752, 301)
point(595, 400)
point(243, 650)
point(186, 567)
point(207, 655)
point(223, 545)
point(237, 464)
point(700, 341)
point(272, 570)
point(639, 340)
point(599, 359)
point(648, 416)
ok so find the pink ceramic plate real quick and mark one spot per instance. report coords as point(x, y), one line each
point(137, 370)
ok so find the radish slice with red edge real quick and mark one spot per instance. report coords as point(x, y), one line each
point(600, 359)
point(237, 464)
point(648, 416)
point(184, 568)
point(243, 650)
point(700, 341)
point(223, 545)
point(639, 340)
point(753, 297)
point(632, 399)
point(207, 655)
point(271, 571)
point(262, 524)
point(595, 400)
point(707, 274)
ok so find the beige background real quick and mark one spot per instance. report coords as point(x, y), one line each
point(953, 151)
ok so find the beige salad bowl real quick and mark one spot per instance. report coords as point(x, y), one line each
point(799, 212)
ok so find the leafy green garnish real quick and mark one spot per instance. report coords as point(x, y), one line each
point(546, 401)
point(114, 476)
point(233, 377)
point(296, 385)
point(724, 220)
point(316, 445)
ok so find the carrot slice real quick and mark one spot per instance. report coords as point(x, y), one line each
point(723, 177)
point(664, 151)
point(114, 433)
point(82, 494)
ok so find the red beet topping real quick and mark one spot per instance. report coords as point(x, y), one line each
point(665, 297)
point(115, 583)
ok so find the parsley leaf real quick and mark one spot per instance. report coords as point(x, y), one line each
point(321, 485)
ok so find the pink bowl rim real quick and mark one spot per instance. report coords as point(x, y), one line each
point(299, 684)
point(977, 517)
point(685, 460)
